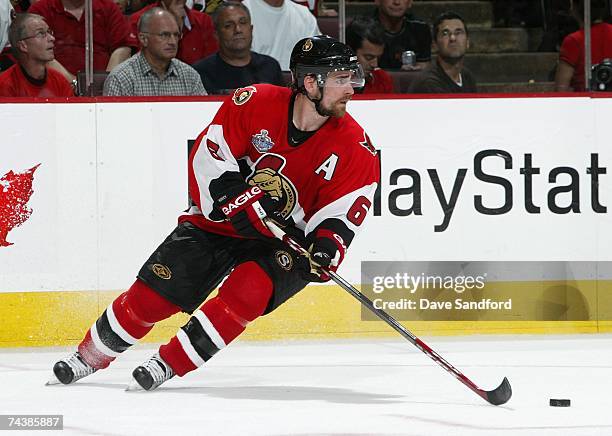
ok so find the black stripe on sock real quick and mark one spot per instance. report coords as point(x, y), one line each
point(108, 337)
point(200, 340)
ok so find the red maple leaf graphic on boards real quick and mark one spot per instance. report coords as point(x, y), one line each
point(15, 192)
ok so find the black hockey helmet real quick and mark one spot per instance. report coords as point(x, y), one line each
point(321, 55)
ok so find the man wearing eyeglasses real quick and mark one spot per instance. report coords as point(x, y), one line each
point(32, 44)
point(448, 75)
point(197, 28)
point(155, 70)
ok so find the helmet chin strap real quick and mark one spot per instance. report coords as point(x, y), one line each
point(317, 102)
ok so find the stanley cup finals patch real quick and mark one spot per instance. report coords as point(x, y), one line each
point(262, 142)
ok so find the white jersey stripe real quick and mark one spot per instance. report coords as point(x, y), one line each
point(210, 329)
point(95, 337)
point(118, 328)
point(298, 216)
point(339, 208)
point(188, 348)
point(206, 168)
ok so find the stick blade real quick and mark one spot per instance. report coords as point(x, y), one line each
point(501, 394)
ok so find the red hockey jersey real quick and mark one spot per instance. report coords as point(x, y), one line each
point(331, 176)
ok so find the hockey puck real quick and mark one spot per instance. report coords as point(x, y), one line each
point(554, 402)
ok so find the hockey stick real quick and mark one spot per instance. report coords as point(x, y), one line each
point(497, 396)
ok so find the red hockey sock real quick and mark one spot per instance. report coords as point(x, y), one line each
point(243, 297)
point(129, 318)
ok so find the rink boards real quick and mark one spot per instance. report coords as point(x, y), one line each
point(502, 179)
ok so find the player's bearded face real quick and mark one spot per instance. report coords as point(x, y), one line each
point(337, 92)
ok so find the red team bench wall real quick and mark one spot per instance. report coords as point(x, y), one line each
point(99, 182)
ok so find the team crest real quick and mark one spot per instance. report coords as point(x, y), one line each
point(267, 174)
point(307, 45)
point(162, 271)
point(284, 259)
point(367, 143)
point(262, 142)
point(242, 95)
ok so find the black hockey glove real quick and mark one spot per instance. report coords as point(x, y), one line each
point(322, 253)
point(245, 206)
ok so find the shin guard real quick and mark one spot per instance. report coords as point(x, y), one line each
point(126, 320)
point(242, 298)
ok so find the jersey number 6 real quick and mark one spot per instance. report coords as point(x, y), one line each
point(359, 210)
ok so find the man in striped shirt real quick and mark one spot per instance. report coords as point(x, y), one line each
point(155, 69)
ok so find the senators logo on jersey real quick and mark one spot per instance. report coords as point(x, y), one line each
point(267, 174)
point(242, 95)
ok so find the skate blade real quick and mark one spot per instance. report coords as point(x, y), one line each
point(134, 386)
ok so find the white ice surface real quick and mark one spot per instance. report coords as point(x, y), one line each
point(370, 387)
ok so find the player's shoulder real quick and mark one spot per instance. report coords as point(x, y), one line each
point(260, 94)
point(357, 139)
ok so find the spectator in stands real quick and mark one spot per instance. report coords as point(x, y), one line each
point(366, 37)
point(447, 74)
point(197, 28)
point(154, 70)
point(235, 65)
point(32, 43)
point(570, 71)
point(6, 11)
point(6, 14)
point(402, 33)
point(278, 25)
point(67, 21)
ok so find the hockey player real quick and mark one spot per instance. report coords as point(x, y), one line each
point(292, 155)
